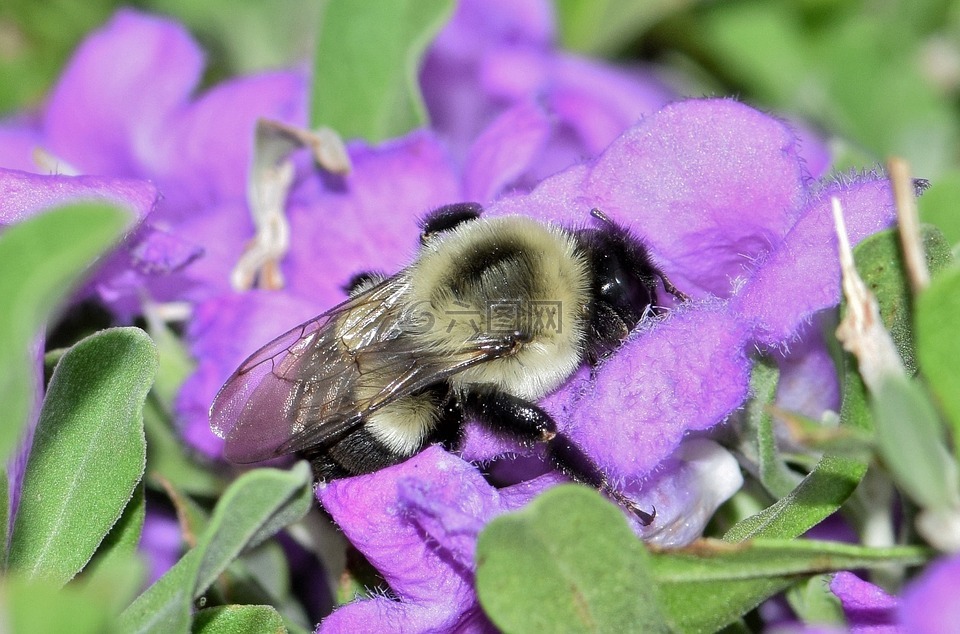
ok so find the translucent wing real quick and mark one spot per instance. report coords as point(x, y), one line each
point(314, 384)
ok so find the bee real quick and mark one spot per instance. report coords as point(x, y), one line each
point(493, 314)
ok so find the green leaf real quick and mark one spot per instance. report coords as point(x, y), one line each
point(938, 205)
point(938, 344)
point(837, 64)
point(913, 444)
point(176, 364)
point(42, 606)
point(817, 497)
point(169, 460)
point(122, 540)
point(604, 27)
point(256, 506)
point(88, 454)
point(116, 581)
point(41, 260)
point(814, 603)
point(879, 261)
point(550, 567)
point(193, 518)
point(712, 583)
point(570, 563)
point(258, 36)
point(239, 619)
point(831, 482)
point(260, 575)
point(776, 478)
point(365, 70)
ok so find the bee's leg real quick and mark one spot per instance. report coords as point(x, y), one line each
point(508, 414)
point(362, 281)
point(512, 415)
point(447, 217)
point(571, 460)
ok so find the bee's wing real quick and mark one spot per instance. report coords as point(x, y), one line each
point(306, 388)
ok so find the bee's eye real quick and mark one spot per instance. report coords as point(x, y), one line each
point(626, 293)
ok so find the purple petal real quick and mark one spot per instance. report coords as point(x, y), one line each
point(687, 490)
point(557, 199)
point(224, 229)
point(686, 373)
point(598, 101)
point(712, 185)
point(23, 194)
point(869, 609)
point(929, 603)
point(385, 514)
point(161, 542)
point(160, 252)
point(808, 375)
point(814, 151)
point(368, 219)
point(18, 140)
point(803, 276)
point(504, 151)
point(205, 150)
point(223, 333)
point(117, 91)
point(477, 25)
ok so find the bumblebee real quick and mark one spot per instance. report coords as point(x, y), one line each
point(491, 315)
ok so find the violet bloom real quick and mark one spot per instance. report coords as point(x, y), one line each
point(721, 195)
point(124, 107)
point(499, 59)
point(418, 523)
point(927, 604)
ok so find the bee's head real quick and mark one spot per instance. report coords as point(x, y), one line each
point(625, 285)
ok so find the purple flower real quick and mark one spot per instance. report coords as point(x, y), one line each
point(869, 609)
point(124, 108)
point(418, 523)
point(720, 193)
point(494, 57)
point(927, 604)
point(23, 195)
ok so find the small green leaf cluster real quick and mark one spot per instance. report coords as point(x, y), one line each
point(71, 561)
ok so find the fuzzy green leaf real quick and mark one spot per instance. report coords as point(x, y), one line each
point(40, 605)
point(256, 506)
point(938, 205)
point(774, 475)
point(814, 603)
point(604, 27)
point(88, 454)
point(825, 488)
point(239, 619)
point(912, 441)
point(879, 261)
point(938, 344)
point(122, 540)
point(365, 70)
point(41, 260)
point(550, 567)
point(713, 583)
point(168, 460)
